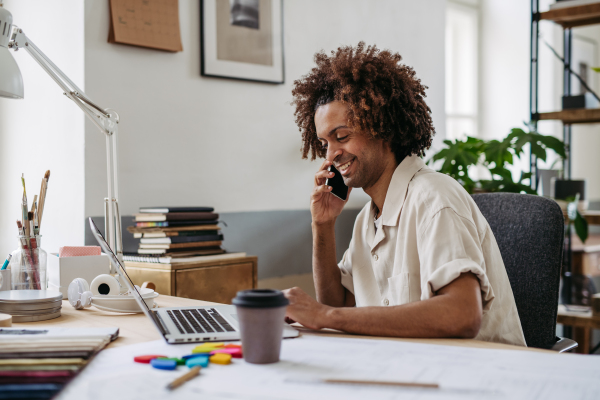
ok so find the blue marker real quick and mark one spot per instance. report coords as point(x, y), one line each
point(6, 262)
point(163, 363)
point(195, 361)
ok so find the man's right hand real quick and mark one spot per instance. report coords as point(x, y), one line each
point(325, 207)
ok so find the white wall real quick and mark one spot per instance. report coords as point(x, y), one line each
point(45, 130)
point(504, 84)
point(504, 77)
point(187, 139)
point(585, 162)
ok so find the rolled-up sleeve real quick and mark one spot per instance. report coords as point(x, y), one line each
point(346, 270)
point(448, 247)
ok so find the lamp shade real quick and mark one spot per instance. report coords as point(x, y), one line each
point(11, 81)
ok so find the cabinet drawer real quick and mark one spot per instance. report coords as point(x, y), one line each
point(218, 284)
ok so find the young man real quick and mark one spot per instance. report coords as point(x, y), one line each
point(423, 261)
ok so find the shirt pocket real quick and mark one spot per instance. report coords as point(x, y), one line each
point(399, 289)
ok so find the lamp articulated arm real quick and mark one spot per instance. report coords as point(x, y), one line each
point(105, 119)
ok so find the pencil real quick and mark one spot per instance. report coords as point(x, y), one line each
point(384, 383)
point(193, 372)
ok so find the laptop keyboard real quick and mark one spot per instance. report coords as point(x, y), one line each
point(199, 321)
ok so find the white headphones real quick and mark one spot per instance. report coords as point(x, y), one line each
point(80, 293)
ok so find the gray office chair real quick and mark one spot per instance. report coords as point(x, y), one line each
point(530, 233)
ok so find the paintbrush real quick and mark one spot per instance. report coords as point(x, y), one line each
point(42, 201)
point(34, 203)
point(35, 263)
point(24, 201)
point(23, 248)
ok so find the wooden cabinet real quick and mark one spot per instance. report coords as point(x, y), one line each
point(216, 281)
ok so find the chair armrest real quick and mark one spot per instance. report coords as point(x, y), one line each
point(564, 344)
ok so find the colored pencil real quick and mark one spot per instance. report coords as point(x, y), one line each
point(193, 372)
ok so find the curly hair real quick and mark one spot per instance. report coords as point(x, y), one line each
point(384, 99)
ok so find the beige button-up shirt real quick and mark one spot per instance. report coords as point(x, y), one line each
point(431, 232)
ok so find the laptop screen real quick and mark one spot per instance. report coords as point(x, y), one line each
point(106, 248)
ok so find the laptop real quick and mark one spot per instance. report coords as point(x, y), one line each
point(185, 324)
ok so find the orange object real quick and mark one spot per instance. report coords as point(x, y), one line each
point(220, 358)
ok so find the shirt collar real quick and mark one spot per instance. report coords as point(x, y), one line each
point(396, 194)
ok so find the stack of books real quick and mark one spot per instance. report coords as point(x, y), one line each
point(37, 364)
point(169, 235)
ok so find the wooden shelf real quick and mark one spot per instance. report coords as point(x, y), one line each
point(574, 116)
point(570, 17)
point(592, 217)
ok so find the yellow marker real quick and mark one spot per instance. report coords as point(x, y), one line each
point(211, 344)
point(220, 358)
point(207, 347)
point(206, 350)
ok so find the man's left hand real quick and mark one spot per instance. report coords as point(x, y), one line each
point(304, 309)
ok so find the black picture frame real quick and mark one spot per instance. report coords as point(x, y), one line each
point(211, 66)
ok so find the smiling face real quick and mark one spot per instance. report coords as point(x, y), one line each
point(360, 159)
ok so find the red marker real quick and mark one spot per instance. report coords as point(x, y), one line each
point(147, 358)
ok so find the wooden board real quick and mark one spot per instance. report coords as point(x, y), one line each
point(574, 116)
point(569, 17)
point(164, 280)
point(137, 328)
point(196, 264)
point(145, 23)
point(592, 217)
point(218, 284)
point(578, 319)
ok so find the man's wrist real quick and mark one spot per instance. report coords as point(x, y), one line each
point(326, 225)
point(324, 316)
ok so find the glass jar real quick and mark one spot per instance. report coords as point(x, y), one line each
point(28, 264)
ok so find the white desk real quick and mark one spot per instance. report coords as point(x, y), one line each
point(480, 370)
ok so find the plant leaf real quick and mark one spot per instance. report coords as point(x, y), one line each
point(581, 227)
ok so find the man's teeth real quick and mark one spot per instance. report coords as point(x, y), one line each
point(342, 167)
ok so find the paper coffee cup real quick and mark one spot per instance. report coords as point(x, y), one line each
point(261, 314)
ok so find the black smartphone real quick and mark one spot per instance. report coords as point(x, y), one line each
point(338, 187)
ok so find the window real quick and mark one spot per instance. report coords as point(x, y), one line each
point(462, 60)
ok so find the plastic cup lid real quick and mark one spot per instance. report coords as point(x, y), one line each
point(260, 298)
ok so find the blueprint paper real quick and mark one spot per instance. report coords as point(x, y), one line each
point(461, 372)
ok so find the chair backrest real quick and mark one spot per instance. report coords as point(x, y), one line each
point(530, 233)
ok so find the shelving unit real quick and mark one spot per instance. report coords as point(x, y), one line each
point(569, 18)
point(592, 217)
point(574, 116)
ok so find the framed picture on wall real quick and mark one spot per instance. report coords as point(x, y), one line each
point(242, 39)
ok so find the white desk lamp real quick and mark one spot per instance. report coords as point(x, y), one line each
point(107, 120)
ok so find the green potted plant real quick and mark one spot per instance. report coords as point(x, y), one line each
point(496, 156)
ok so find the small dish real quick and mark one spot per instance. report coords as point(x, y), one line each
point(124, 303)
